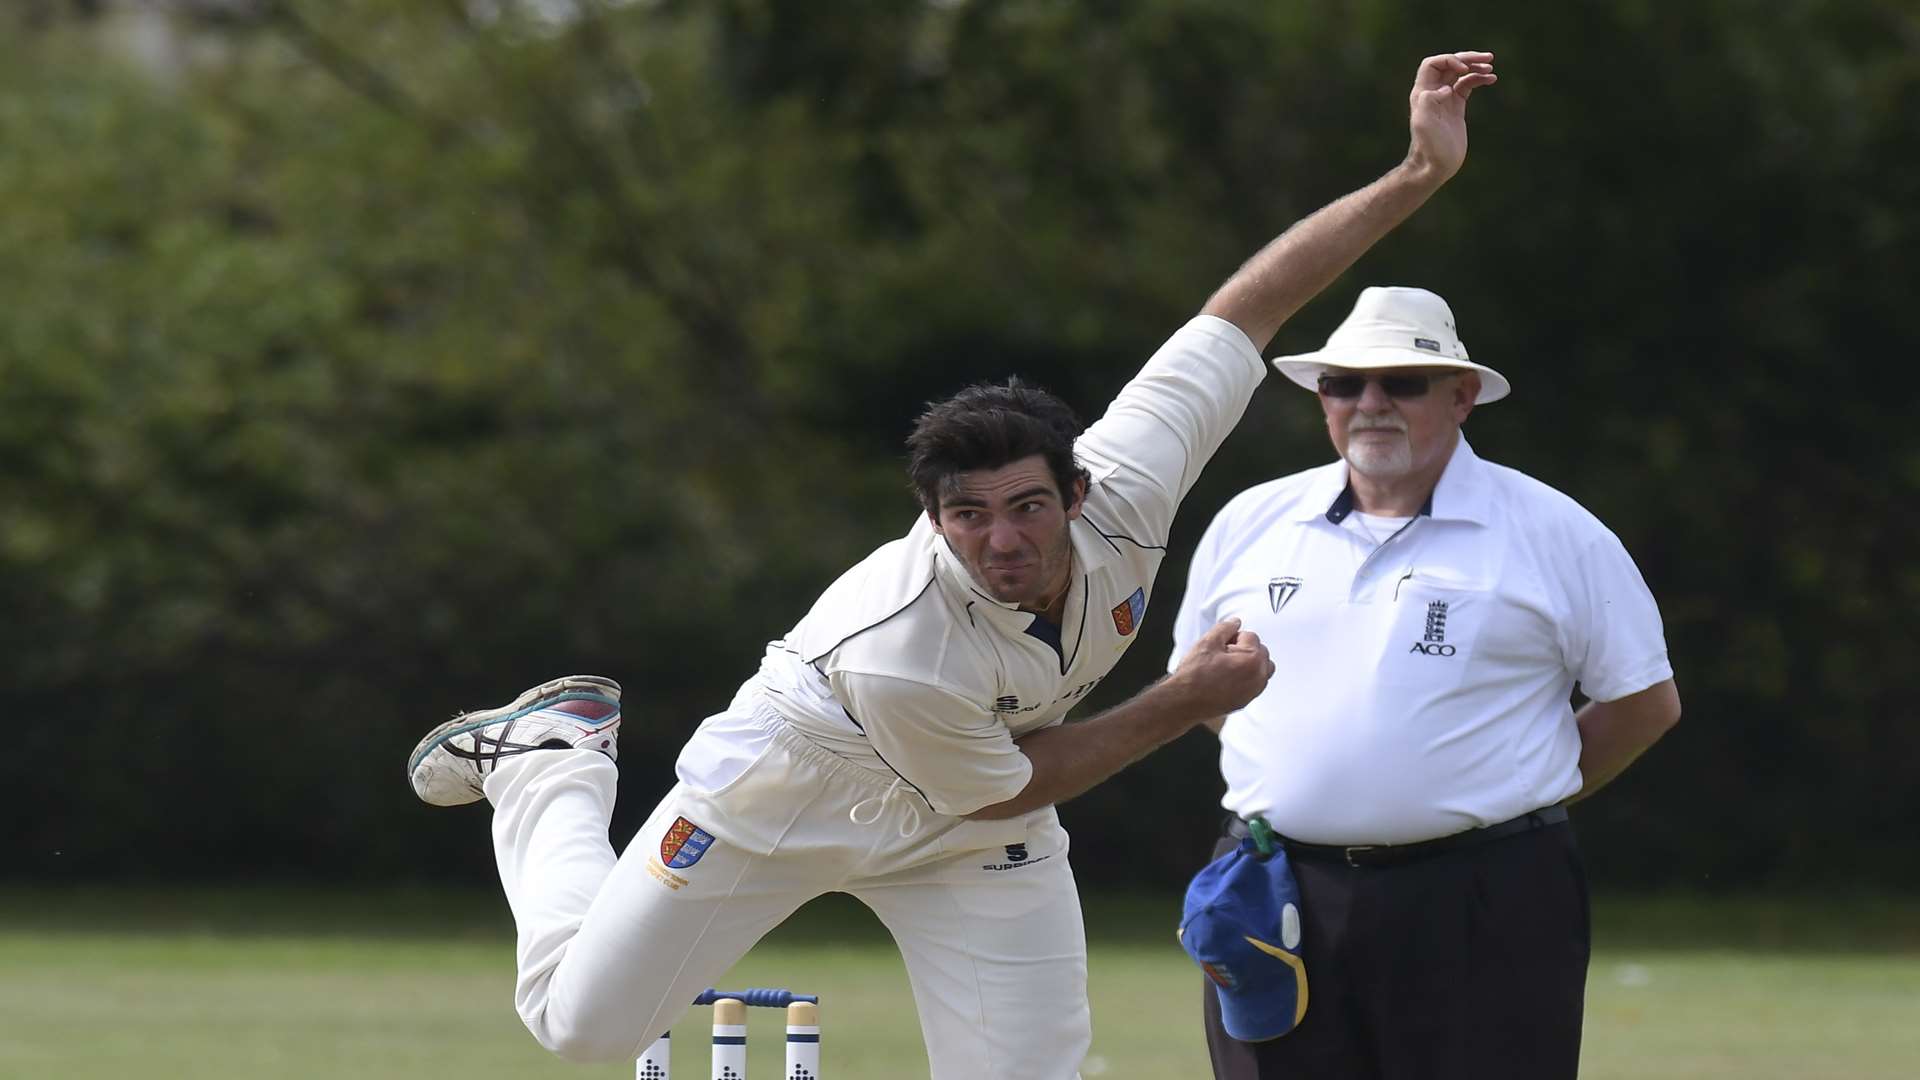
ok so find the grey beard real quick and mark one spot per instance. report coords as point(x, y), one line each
point(1384, 461)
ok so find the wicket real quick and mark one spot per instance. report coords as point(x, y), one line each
point(730, 1035)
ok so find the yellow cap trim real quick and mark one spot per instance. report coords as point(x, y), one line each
point(1299, 973)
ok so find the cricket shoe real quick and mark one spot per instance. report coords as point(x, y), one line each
point(578, 712)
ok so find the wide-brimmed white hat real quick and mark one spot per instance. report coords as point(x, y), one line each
point(1392, 326)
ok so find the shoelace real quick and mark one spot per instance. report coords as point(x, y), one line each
point(909, 821)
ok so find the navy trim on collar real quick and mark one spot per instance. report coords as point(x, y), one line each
point(1045, 631)
point(1343, 506)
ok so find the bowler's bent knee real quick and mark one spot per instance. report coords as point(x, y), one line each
point(590, 1043)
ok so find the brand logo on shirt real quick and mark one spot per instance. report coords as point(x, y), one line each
point(1434, 641)
point(1127, 615)
point(1280, 590)
point(1016, 853)
point(1078, 691)
point(684, 843)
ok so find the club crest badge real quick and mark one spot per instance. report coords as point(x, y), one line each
point(1127, 615)
point(684, 843)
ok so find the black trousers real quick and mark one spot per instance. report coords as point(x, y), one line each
point(1466, 965)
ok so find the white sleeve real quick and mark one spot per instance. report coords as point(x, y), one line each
point(1197, 610)
point(957, 755)
point(1615, 642)
point(1169, 419)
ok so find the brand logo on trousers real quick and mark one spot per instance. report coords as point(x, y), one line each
point(1434, 641)
point(1017, 858)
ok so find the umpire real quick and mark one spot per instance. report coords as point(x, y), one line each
point(1431, 614)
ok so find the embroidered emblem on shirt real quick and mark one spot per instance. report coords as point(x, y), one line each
point(1127, 615)
point(1280, 590)
point(1434, 641)
point(684, 843)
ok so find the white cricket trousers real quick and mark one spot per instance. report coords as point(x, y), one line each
point(612, 950)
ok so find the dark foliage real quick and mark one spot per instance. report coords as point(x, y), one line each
point(367, 360)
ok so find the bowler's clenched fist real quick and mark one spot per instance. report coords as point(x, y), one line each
point(1225, 669)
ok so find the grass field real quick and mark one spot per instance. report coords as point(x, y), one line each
point(172, 986)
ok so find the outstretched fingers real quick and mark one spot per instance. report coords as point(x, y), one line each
point(1445, 66)
point(1447, 71)
point(1467, 84)
point(1438, 107)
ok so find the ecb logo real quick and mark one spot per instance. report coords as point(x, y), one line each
point(1434, 641)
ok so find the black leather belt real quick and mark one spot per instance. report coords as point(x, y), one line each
point(1392, 854)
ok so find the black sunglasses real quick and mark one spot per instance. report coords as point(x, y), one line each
point(1396, 386)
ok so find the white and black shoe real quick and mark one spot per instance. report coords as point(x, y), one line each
point(577, 712)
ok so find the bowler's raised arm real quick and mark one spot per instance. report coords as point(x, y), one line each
point(1305, 259)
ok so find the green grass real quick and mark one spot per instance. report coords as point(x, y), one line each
point(159, 986)
point(1690, 1015)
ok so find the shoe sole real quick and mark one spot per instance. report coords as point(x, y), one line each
point(567, 688)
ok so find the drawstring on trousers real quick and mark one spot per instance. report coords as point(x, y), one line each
point(909, 821)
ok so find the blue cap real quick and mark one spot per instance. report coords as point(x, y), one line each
point(1241, 924)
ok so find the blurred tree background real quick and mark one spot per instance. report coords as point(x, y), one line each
point(364, 360)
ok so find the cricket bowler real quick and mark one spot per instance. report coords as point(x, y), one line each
point(904, 742)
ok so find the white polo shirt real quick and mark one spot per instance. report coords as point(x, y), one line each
point(907, 666)
point(1423, 684)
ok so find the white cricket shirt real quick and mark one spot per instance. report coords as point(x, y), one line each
point(907, 666)
point(1423, 684)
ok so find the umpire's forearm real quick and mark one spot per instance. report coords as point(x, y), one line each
point(1614, 733)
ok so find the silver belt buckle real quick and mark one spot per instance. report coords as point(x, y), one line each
point(1358, 847)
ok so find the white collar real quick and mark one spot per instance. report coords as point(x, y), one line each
point(1462, 494)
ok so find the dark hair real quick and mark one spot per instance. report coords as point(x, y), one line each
point(986, 426)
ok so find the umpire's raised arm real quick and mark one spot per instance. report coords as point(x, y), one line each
point(1307, 257)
